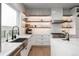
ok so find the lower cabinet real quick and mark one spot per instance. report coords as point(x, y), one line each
point(23, 50)
point(17, 51)
point(26, 50)
point(40, 39)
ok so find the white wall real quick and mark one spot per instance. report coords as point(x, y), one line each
point(71, 31)
point(56, 28)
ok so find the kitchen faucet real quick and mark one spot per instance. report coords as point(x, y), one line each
point(66, 35)
point(14, 36)
point(7, 38)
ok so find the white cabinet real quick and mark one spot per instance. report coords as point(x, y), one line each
point(41, 39)
point(36, 40)
point(26, 50)
point(60, 47)
point(75, 15)
point(39, 12)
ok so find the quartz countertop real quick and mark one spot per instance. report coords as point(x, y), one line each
point(7, 48)
point(18, 36)
point(61, 47)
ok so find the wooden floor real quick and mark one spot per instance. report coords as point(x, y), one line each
point(39, 51)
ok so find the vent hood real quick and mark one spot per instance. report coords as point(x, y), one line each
point(57, 21)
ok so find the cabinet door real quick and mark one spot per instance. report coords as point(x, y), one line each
point(37, 40)
point(26, 50)
point(46, 39)
point(40, 39)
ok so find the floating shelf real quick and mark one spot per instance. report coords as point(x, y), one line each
point(67, 20)
point(58, 33)
point(66, 27)
point(68, 15)
point(38, 21)
point(61, 21)
point(39, 27)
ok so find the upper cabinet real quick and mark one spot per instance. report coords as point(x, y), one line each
point(39, 12)
point(78, 9)
point(67, 12)
point(75, 11)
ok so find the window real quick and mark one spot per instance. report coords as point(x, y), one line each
point(8, 16)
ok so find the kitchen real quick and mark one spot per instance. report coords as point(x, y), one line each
point(39, 29)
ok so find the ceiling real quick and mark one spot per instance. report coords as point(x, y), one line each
point(51, 5)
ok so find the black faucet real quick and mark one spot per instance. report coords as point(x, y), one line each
point(14, 36)
point(7, 38)
point(66, 35)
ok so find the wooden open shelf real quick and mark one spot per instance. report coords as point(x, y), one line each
point(36, 27)
point(66, 27)
point(67, 20)
point(38, 21)
point(39, 27)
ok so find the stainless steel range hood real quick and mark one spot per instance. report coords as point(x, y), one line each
point(57, 21)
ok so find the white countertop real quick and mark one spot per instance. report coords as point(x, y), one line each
point(7, 48)
point(61, 47)
point(18, 36)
